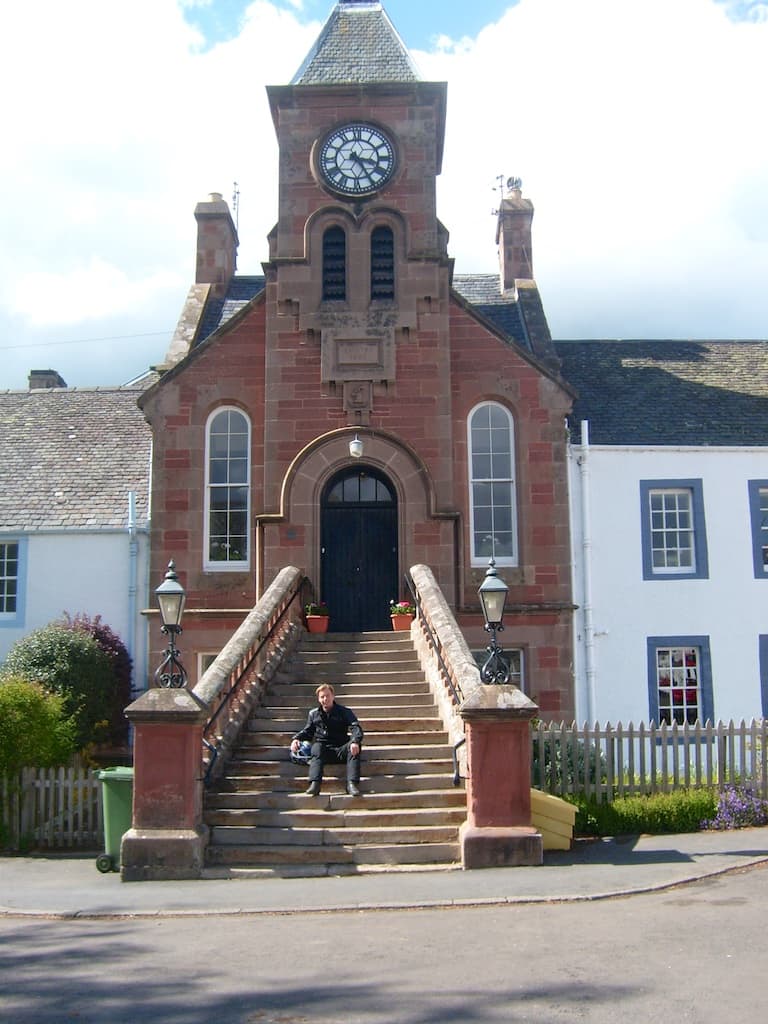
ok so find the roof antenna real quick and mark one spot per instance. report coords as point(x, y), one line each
point(236, 204)
point(500, 189)
point(513, 184)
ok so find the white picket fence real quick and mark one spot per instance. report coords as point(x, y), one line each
point(51, 808)
point(60, 808)
point(610, 761)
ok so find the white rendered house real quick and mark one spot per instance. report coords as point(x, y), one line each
point(670, 537)
point(74, 507)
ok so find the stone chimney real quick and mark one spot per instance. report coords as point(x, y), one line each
point(39, 379)
point(513, 237)
point(217, 244)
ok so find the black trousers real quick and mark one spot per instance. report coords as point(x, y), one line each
point(324, 753)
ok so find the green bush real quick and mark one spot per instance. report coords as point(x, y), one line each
point(122, 666)
point(69, 662)
point(560, 763)
point(681, 811)
point(34, 730)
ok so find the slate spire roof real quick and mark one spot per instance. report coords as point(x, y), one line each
point(358, 44)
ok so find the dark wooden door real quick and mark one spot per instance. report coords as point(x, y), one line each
point(359, 559)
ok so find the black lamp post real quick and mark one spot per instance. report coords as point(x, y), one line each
point(170, 597)
point(493, 596)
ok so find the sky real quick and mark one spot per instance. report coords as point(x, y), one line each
point(636, 126)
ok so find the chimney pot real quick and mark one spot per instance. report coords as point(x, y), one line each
point(513, 237)
point(40, 379)
point(217, 244)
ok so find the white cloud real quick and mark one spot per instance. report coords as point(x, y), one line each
point(636, 126)
point(119, 133)
point(88, 293)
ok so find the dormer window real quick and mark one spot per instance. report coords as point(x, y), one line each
point(334, 265)
point(382, 264)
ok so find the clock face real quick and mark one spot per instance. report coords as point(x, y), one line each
point(356, 159)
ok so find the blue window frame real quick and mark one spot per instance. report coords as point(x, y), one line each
point(13, 580)
point(227, 490)
point(673, 529)
point(763, 649)
point(680, 679)
point(758, 511)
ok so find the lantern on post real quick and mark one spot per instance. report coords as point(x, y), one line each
point(493, 597)
point(170, 599)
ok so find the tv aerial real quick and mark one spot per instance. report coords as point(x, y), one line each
point(513, 184)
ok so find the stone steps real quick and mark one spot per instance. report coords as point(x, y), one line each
point(336, 799)
point(358, 856)
point(393, 787)
point(378, 751)
point(358, 684)
point(335, 834)
point(393, 712)
point(298, 820)
point(366, 701)
point(371, 766)
point(377, 734)
point(409, 813)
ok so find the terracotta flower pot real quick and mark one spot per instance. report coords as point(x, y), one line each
point(318, 623)
point(401, 621)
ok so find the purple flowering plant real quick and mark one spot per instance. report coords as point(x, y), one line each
point(738, 807)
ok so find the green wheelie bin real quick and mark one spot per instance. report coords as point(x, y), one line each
point(117, 802)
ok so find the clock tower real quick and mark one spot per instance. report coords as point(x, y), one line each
point(358, 257)
point(358, 409)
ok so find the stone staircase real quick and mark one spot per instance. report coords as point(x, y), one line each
point(409, 811)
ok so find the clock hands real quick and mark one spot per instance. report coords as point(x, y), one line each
point(361, 160)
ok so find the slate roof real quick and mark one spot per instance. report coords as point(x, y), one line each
point(357, 44)
point(483, 293)
point(480, 290)
point(217, 311)
point(69, 457)
point(669, 392)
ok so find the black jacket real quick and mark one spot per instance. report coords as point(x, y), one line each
point(335, 727)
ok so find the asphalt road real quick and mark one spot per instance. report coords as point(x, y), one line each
point(692, 954)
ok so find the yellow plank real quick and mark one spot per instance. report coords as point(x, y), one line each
point(554, 818)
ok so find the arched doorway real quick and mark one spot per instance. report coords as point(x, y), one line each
point(359, 557)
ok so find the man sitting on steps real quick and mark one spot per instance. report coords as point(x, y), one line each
point(336, 737)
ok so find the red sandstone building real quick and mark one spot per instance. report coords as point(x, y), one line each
point(359, 328)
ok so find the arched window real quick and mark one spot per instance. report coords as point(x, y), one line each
point(493, 515)
point(382, 263)
point(334, 264)
point(227, 490)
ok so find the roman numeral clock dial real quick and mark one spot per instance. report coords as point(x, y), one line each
point(356, 160)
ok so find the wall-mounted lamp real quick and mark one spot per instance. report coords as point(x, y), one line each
point(170, 598)
point(356, 447)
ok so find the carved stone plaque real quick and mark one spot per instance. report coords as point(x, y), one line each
point(349, 354)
